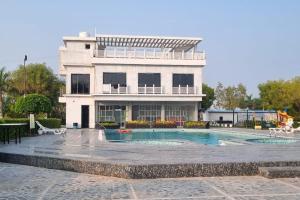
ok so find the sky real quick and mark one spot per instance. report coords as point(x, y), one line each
point(246, 41)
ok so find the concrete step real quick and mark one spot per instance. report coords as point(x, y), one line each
point(279, 172)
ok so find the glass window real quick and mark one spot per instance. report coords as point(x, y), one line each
point(80, 83)
point(106, 113)
point(183, 80)
point(114, 79)
point(146, 112)
point(149, 79)
point(87, 46)
point(178, 113)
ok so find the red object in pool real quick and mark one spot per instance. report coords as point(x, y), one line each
point(124, 131)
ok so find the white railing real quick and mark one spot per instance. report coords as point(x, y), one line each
point(149, 54)
point(150, 90)
point(109, 89)
point(184, 90)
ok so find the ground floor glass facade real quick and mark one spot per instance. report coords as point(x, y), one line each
point(126, 111)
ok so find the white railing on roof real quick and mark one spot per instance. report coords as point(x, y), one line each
point(149, 54)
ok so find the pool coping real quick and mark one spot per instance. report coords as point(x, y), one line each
point(144, 171)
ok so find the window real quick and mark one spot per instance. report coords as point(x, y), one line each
point(178, 113)
point(87, 46)
point(149, 79)
point(149, 112)
point(183, 80)
point(110, 113)
point(80, 84)
point(114, 79)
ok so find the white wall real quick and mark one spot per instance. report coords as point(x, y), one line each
point(216, 116)
point(73, 110)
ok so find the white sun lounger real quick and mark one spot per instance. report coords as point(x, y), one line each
point(283, 131)
point(45, 130)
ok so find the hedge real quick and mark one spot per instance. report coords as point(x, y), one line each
point(196, 124)
point(164, 124)
point(138, 124)
point(107, 125)
point(49, 123)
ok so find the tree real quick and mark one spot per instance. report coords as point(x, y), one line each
point(252, 103)
point(40, 79)
point(230, 97)
point(208, 100)
point(3, 88)
point(275, 95)
point(219, 95)
point(33, 103)
point(281, 95)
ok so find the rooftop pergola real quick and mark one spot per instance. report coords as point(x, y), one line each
point(173, 43)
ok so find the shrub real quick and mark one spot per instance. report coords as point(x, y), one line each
point(196, 124)
point(49, 123)
point(33, 103)
point(137, 124)
point(108, 125)
point(164, 124)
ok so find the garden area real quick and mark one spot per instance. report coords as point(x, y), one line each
point(33, 90)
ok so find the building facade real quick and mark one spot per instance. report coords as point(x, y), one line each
point(122, 78)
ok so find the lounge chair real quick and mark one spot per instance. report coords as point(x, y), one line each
point(283, 131)
point(44, 130)
point(296, 129)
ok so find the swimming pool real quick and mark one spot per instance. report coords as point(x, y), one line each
point(178, 137)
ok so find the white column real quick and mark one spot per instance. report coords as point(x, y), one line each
point(129, 112)
point(196, 112)
point(162, 114)
point(92, 113)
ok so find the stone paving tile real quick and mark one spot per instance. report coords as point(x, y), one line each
point(278, 197)
point(255, 185)
point(291, 181)
point(173, 188)
point(25, 182)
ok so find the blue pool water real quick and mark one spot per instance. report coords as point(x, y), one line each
point(175, 137)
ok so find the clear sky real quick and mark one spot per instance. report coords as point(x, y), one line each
point(246, 41)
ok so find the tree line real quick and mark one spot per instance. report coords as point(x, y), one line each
point(273, 95)
point(33, 79)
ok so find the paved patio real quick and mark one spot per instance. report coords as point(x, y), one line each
point(81, 150)
point(86, 144)
point(26, 182)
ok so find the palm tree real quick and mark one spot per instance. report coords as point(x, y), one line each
point(3, 87)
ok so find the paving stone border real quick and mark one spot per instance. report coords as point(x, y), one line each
point(139, 171)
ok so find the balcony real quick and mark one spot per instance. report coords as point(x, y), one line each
point(184, 90)
point(149, 54)
point(117, 89)
point(150, 90)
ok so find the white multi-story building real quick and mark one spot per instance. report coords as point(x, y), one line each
point(123, 77)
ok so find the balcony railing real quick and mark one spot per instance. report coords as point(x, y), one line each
point(150, 90)
point(149, 54)
point(110, 89)
point(184, 90)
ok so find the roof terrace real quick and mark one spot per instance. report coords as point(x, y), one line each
point(148, 47)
